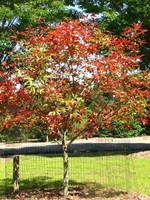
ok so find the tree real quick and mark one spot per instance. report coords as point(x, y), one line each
point(75, 79)
point(16, 15)
point(115, 15)
point(122, 132)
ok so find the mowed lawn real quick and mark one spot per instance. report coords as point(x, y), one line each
point(95, 170)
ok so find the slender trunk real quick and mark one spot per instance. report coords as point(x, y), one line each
point(47, 138)
point(16, 174)
point(65, 165)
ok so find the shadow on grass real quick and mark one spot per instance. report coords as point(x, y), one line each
point(42, 183)
point(5, 186)
point(88, 154)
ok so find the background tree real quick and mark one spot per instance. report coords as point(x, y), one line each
point(116, 15)
point(75, 79)
point(16, 15)
point(119, 131)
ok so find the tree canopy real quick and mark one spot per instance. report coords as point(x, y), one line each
point(115, 15)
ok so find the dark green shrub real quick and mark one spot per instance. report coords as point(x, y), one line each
point(120, 131)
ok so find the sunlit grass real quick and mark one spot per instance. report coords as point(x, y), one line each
point(91, 169)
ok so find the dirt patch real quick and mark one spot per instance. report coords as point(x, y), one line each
point(78, 194)
point(141, 154)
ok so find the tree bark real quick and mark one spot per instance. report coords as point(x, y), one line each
point(65, 165)
point(16, 174)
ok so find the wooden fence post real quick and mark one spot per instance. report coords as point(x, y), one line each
point(16, 174)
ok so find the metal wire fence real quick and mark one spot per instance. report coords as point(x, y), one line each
point(98, 165)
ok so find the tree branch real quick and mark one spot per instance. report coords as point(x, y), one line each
point(76, 136)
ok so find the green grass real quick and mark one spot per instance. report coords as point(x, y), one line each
point(90, 170)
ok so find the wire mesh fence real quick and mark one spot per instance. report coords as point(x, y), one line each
point(95, 165)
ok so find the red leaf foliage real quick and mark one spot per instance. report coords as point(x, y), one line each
point(75, 78)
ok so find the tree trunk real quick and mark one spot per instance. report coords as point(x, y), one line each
point(16, 174)
point(65, 165)
point(47, 138)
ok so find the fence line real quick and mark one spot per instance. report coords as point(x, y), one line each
point(105, 165)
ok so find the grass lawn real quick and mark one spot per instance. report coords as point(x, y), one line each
point(90, 170)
